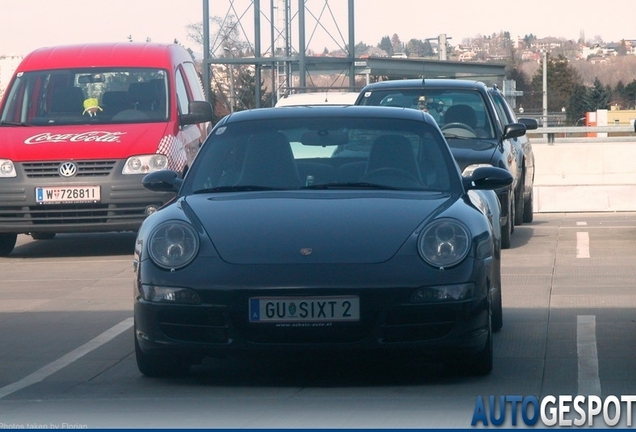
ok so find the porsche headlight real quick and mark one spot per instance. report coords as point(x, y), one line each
point(444, 243)
point(173, 244)
point(145, 164)
point(7, 169)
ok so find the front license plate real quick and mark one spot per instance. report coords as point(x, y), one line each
point(69, 194)
point(304, 309)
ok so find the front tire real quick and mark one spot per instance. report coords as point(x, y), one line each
point(528, 211)
point(154, 366)
point(497, 310)
point(7, 243)
point(506, 230)
point(481, 363)
point(519, 207)
point(476, 364)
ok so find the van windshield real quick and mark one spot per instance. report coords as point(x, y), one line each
point(92, 95)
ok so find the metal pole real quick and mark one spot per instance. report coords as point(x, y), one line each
point(545, 88)
point(257, 53)
point(302, 49)
point(441, 46)
point(231, 70)
point(274, 76)
point(230, 73)
point(352, 49)
point(206, 51)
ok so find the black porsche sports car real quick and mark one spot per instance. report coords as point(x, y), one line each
point(318, 229)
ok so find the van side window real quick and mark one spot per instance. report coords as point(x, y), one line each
point(196, 87)
point(182, 93)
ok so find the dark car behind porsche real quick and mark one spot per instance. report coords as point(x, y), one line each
point(467, 115)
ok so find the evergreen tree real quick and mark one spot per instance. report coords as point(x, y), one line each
point(630, 95)
point(419, 48)
point(360, 49)
point(562, 79)
point(598, 96)
point(385, 44)
point(618, 94)
point(396, 43)
point(245, 89)
point(516, 74)
point(578, 105)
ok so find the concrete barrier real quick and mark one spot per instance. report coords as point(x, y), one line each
point(585, 176)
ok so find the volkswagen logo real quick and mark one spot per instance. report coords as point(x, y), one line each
point(67, 169)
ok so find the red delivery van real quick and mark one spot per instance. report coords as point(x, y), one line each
point(80, 125)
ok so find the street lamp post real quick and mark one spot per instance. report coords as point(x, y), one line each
point(545, 88)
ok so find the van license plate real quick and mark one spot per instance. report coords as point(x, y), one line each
point(304, 309)
point(69, 194)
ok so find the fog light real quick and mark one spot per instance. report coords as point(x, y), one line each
point(169, 295)
point(442, 293)
point(151, 209)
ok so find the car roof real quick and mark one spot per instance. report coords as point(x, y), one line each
point(120, 54)
point(317, 111)
point(318, 98)
point(427, 83)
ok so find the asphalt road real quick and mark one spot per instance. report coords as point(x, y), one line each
point(67, 361)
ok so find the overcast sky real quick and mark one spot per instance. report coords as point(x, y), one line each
point(29, 24)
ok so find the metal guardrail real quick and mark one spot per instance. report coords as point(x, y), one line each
point(583, 129)
point(550, 133)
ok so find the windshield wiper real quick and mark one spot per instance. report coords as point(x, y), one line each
point(454, 136)
point(245, 188)
point(350, 185)
point(12, 123)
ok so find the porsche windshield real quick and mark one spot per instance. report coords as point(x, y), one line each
point(324, 153)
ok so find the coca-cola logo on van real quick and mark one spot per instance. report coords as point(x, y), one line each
point(91, 136)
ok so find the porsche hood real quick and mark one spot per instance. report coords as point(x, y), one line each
point(260, 228)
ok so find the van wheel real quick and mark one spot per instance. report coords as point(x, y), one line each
point(42, 235)
point(7, 243)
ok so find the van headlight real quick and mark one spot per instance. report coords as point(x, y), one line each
point(444, 243)
point(7, 169)
point(173, 244)
point(145, 164)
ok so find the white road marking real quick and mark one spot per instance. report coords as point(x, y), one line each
point(582, 245)
point(67, 359)
point(580, 223)
point(588, 379)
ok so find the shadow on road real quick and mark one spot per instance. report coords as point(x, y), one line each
point(76, 245)
point(342, 370)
